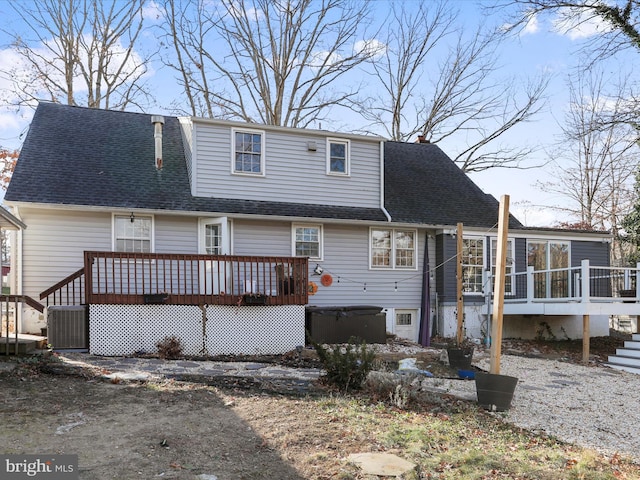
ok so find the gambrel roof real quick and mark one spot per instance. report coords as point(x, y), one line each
point(100, 158)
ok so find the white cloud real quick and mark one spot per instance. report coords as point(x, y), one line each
point(323, 59)
point(577, 24)
point(372, 48)
point(9, 121)
point(152, 12)
point(238, 10)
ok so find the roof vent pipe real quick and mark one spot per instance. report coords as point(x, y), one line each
point(158, 121)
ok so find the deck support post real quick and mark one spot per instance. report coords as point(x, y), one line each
point(498, 296)
point(460, 298)
point(585, 339)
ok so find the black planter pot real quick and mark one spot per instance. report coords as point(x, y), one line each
point(254, 299)
point(494, 391)
point(460, 357)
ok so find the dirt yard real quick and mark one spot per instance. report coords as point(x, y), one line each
point(183, 430)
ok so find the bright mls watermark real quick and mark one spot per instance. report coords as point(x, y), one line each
point(49, 467)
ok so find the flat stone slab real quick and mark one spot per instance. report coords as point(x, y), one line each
point(130, 376)
point(381, 464)
point(7, 366)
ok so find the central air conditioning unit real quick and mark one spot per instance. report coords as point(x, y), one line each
point(68, 327)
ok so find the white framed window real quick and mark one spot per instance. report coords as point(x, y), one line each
point(307, 241)
point(472, 265)
point(132, 233)
point(248, 152)
point(393, 248)
point(338, 153)
point(509, 284)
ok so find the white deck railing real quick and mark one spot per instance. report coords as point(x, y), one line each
point(584, 284)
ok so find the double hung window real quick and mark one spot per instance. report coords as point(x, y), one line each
point(248, 152)
point(132, 233)
point(338, 157)
point(472, 265)
point(393, 248)
point(307, 241)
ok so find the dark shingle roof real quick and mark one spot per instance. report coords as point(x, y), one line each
point(423, 185)
point(93, 157)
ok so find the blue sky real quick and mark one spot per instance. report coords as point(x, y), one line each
point(540, 50)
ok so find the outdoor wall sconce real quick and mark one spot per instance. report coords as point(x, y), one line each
point(132, 217)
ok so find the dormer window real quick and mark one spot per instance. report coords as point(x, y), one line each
point(338, 157)
point(248, 152)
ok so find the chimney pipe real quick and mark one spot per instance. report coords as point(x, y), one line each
point(158, 121)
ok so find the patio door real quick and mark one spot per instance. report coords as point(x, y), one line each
point(214, 239)
point(553, 258)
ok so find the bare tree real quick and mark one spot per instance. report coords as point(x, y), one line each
point(83, 52)
point(8, 160)
point(277, 62)
point(453, 95)
point(618, 20)
point(602, 160)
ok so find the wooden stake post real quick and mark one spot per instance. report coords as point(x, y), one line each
point(498, 292)
point(460, 304)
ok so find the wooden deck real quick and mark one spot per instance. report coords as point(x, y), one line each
point(182, 279)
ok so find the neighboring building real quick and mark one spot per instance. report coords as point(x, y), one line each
point(359, 207)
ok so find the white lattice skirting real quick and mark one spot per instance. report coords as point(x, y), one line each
point(227, 330)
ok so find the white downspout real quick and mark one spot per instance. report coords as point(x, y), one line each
point(382, 181)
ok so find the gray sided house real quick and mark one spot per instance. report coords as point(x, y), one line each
point(216, 231)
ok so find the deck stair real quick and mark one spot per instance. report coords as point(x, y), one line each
point(27, 344)
point(628, 357)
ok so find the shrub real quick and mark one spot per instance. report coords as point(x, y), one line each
point(169, 348)
point(347, 366)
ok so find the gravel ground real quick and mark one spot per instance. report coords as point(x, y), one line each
point(591, 406)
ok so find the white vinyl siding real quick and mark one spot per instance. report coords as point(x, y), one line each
point(293, 172)
point(54, 244)
point(186, 128)
point(345, 260)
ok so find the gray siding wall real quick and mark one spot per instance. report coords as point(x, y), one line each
point(521, 254)
point(346, 258)
point(596, 252)
point(54, 242)
point(293, 174)
point(446, 275)
point(187, 139)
